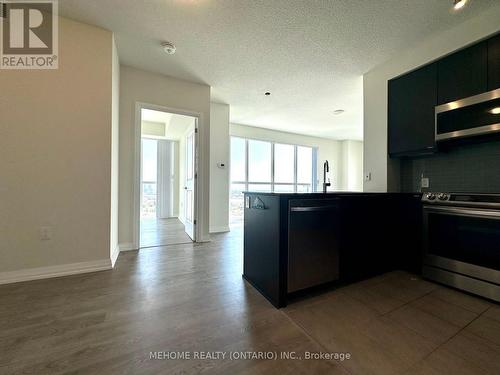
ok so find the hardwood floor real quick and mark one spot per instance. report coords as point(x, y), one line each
point(162, 232)
point(192, 298)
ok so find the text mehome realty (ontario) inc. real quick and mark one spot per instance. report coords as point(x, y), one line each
point(248, 355)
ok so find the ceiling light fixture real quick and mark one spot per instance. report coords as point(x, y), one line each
point(458, 4)
point(495, 111)
point(338, 111)
point(169, 47)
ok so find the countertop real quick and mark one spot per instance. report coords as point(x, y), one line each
point(330, 193)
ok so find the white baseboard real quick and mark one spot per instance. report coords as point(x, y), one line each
point(126, 247)
point(114, 256)
point(54, 271)
point(219, 229)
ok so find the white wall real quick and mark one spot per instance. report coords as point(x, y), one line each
point(328, 149)
point(56, 158)
point(141, 86)
point(352, 165)
point(385, 172)
point(219, 178)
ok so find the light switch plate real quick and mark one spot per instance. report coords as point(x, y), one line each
point(424, 182)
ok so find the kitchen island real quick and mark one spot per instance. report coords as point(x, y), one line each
point(297, 242)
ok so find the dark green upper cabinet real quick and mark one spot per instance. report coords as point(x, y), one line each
point(494, 63)
point(463, 74)
point(411, 103)
point(412, 97)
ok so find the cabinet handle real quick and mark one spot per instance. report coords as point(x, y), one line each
point(312, 208)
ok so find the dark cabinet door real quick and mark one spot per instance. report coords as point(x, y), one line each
point(367, 236)
point(261, 245)
point(407, 224)
point(463, 74)
point(494, 63)
point(411, 101)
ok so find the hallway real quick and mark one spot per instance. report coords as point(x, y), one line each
point(161, 232)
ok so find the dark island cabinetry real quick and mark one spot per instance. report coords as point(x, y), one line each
point(262, 256)
point(294, 242)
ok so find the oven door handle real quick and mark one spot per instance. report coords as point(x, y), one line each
point(459, 211)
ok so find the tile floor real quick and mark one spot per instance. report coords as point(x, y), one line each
point(400, 324)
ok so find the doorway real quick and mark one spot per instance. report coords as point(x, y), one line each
point(167, 178)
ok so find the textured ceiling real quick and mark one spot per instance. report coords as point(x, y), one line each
point(309, 54)
point(156, 116)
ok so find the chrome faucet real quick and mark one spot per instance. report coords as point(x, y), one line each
point(326, 168)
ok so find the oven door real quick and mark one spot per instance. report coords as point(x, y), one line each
point(463, 240)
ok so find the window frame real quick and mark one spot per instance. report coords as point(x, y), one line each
point(295, 183)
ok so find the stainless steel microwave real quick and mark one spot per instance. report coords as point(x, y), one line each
point(475, 115)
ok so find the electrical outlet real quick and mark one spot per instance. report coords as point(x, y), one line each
point(424, 182)
point(368, 176)
point(45, 233)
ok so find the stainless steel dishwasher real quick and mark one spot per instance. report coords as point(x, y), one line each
point(313, 242)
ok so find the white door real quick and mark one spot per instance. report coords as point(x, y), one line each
point(189, 193)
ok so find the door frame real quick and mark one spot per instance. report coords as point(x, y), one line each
point(191, 133)
point(137, 167)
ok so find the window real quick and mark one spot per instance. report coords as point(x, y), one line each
point(236, 202)
point(304, 169)
point(238, 151)
point(259, 161)
point(284, 163)
point(267, 166)
point(149, 177)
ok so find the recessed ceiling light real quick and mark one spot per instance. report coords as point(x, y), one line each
point(267, 93)
point(169, 47)
point(495, 111)
point(338, 111)
point(458, 4)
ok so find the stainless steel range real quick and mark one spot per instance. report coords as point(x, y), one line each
point(462, 241)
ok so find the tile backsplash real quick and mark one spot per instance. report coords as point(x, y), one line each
point(465, 168)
